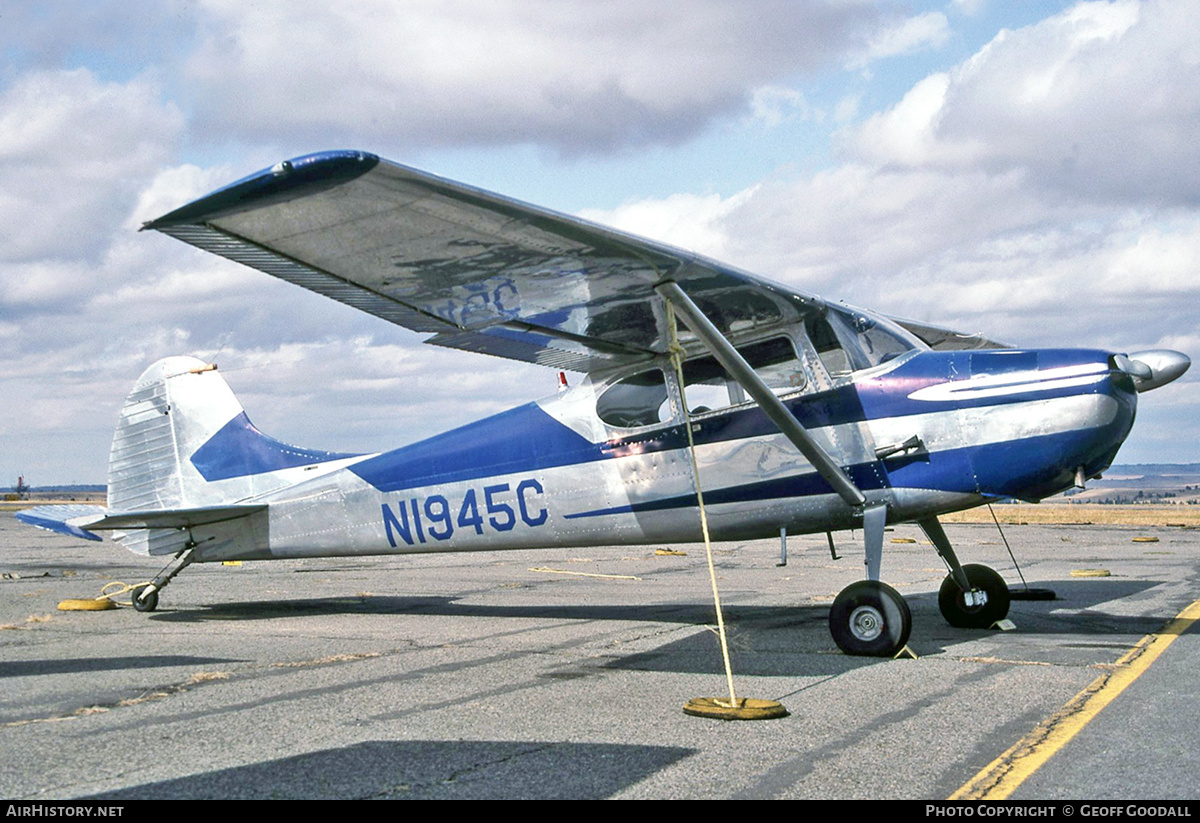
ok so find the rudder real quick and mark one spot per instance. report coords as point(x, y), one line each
point(175, 407)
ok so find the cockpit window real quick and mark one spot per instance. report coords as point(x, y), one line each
point(643, 399)
point(709, 387)
point(639, 400)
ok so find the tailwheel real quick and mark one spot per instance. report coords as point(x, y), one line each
point(952, 600)
point(870, 618)
point(147, 603)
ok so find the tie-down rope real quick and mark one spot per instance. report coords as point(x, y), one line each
point(677, 352)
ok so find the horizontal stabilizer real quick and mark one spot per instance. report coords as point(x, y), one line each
point(82, 520)
point(173, 518)
point(66, 518)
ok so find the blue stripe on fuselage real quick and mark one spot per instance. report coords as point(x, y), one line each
point(528, 439)
point(239, 450)
point(809, 484)
point(518, 440)
point(890, 394)
point(1028, 468)
point(1031, 468)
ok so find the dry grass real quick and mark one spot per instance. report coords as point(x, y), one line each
point(321, 661)
point(204, 677)
point(1081, 514)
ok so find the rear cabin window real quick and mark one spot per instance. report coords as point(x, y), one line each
point(639, 400)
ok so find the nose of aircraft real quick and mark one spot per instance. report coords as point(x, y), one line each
point(1153, 368)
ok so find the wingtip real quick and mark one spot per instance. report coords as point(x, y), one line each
point(325, 168)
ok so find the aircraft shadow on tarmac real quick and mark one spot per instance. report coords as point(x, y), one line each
point(426, 769)
point(75, 665)
point(763, 640)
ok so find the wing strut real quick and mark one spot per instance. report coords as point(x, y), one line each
point(749, 380)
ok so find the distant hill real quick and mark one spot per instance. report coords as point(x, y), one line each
point(1160, 475)
point(1142, 483)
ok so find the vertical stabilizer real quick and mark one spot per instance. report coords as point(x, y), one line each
point(183, 442)
point(176, 406)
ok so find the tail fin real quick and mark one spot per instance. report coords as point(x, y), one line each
point(183, 442)
point(174, 408)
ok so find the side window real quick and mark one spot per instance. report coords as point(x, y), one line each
point(639, 400)
point(709, 387)
point(776, 363)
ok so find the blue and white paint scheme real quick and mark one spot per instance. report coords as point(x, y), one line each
point(805, 416)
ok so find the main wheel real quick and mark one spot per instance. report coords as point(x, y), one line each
point(144, 604)
point(870, 618)
point(952, 602)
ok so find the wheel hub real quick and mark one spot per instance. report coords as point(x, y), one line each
point(975, 599)
point(866, 623)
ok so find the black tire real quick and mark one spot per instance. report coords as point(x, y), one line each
point(870, 618)
point(144, 604)
point(961, 616)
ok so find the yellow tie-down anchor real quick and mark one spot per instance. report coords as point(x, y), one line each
point(104, 601)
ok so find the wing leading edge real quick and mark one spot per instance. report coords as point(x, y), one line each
point(479, 271)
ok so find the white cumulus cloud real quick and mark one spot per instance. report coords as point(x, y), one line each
point(575, 75)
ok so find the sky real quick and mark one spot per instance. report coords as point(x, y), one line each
point(1029, 170)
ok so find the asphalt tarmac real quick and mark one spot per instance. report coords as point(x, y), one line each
point(518, 675)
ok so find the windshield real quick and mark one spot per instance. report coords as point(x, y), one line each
point(849, 341)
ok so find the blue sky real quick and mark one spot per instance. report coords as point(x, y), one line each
point(1025, 169)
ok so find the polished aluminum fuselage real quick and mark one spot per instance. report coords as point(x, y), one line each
point(979, 426)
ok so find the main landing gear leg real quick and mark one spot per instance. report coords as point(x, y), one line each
point(145, 596)
point(972, 596)
point(869, 617)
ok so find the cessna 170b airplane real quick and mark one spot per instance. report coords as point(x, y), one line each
point(802, 414)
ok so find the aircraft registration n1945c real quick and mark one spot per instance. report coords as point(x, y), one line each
point(803, 415)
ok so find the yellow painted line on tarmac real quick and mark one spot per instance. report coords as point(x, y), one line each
point(1000, 778)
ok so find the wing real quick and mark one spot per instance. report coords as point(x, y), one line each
point(480, 271)
point(944, 339)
